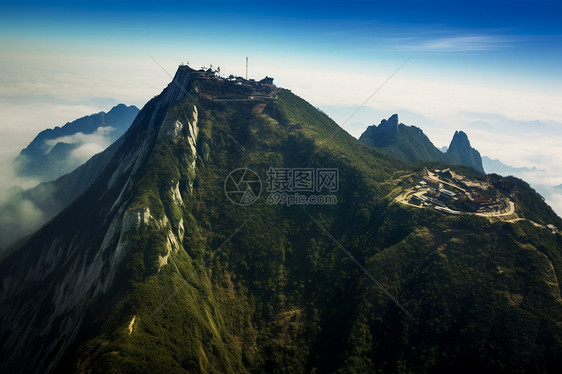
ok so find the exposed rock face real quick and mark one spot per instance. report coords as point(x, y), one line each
point(411, 144)
point(47, 288)
point(406, 142)
point(383, 135)
point(461, 153)
point(391, 124)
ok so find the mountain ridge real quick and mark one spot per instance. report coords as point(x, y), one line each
point(154, 263)
point(411, 144)
point(460, 152)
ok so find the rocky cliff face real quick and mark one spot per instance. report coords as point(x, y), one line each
point(383, 135)
point(461, 153)
point(411, 144)
point(48, 287)
point(405, 142)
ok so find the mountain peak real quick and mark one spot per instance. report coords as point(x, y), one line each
point(389, 124)
point(461, 152)
point(460, 137)
point(411, 144)
point(121, 107)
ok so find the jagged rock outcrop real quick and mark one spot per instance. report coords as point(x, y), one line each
point(461, 153)
point(409, 143)
point(406, 142)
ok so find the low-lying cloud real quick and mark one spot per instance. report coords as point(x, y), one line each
point(23, 213)
point(86, 145)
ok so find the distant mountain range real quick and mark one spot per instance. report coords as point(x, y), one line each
point(58, 151)
point(411, 144)
point(498, 167)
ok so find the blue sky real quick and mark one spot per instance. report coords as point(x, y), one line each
point(491, 68)
point(459, 39)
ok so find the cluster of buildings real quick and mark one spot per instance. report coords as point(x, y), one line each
point(262, 89)
point(454, 194)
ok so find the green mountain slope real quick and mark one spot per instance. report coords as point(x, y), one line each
point(154, 269)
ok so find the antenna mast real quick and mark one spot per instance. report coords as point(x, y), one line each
point(246, 67)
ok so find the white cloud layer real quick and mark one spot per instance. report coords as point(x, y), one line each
point(88, 144)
